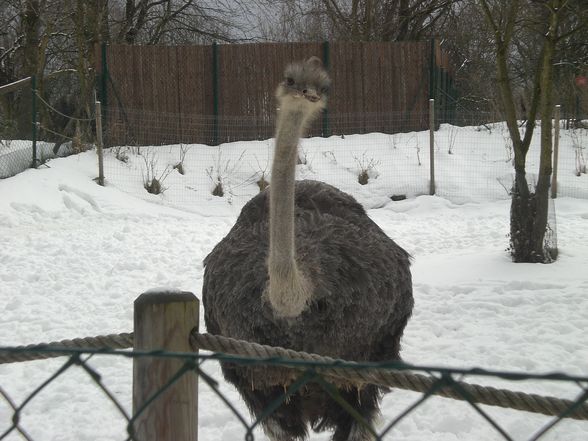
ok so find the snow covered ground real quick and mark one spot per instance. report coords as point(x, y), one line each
point(75, 255)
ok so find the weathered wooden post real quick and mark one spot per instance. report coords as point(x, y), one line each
point(163, 320)
point(555, 151)
point(34, 119)
point(432, 146)
point(99, 143)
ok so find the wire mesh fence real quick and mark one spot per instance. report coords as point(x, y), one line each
point(472, 163)
point(16, 148)
point(373, 156)
point(22, 418)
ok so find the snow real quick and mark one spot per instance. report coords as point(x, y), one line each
point(75, 255)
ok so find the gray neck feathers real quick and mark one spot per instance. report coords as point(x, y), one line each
point(288, 290)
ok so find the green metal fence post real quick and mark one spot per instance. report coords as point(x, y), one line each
point(326, 61)
point(99, 143)
point(432, 124)
point(215, 93)
point(432, 66)
point(34, 118)
point(432, 75)
point(445, 93)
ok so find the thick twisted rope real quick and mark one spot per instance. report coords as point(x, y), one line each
point(445, 387)
point(28, 353)
point(456, 390)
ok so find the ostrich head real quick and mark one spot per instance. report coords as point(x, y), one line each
point(305, 87)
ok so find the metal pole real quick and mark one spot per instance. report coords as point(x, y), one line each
point(99, 143)
point(432, 145)
point(34, 117)
point(326, 61)
point(432, 69)
point(215, 93)
point(104, 76)
point(557, 114)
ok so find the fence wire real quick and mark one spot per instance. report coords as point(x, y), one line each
point(46, 133)
point(313, 371)
point(165, 158)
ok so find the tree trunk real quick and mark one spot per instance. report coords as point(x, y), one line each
point(530, 206)
point(522, 209)
point(30, 22)
point(546, 111)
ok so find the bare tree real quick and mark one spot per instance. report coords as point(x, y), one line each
point(10, 41)
point(360, 20)
point(549, 23)
point(471, 54)
point(292, 20)
point(41, 37)
point(177, 21)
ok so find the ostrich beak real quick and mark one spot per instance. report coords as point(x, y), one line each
point(311, 95)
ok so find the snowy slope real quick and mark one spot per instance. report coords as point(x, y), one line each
point(74, 256)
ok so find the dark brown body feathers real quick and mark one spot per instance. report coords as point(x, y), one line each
point(363, 295)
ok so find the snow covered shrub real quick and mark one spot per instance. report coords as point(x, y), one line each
point(451, 133)
point(367, 168)
point(153, 179)
point(180, 165)
point(262, 183)
point(418, 151)
point(221, 171)
point(121, 153)
point(330, 154)
point(302, 156)
point(218, 189)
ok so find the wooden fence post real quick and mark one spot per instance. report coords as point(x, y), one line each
point(34, 119)
point(99, 143)
point(555, 152)
point(163, 320)
point(432, 145)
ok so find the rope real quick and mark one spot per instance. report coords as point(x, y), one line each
point(55, 133)
point(113, 341)
point(60, 113)
point(457, 390)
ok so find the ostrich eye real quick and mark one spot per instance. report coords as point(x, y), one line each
point(325, 89)
point(290, 81)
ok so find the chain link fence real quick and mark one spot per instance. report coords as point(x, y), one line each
point(314, 371)
point(41, 122)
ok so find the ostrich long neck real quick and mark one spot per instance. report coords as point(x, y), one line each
point(288, 291)
point(288, 133)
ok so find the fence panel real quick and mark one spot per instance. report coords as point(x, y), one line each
point(369, 78)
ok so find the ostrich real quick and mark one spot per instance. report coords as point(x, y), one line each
point(305, 268)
